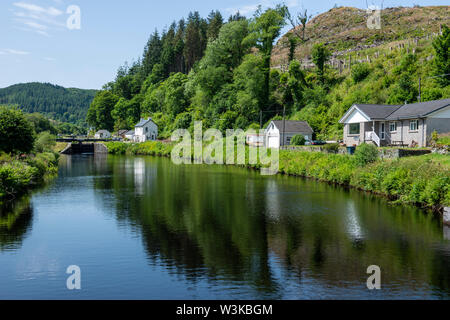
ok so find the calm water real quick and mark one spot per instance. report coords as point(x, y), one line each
point(142, 228)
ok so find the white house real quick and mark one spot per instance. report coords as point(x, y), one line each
point(279, 133)
point(405, 125)
point(145, 130)
point(103, 134)
point(130, 135)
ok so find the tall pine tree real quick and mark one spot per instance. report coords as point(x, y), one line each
point(215, 22)
point(152, 53)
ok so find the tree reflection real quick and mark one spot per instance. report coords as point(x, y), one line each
point(229, 224)
point(15, 223)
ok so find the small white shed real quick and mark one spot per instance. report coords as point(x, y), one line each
point(103, 134)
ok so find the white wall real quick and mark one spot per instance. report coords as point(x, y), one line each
point(272, 137)
point(147, 132)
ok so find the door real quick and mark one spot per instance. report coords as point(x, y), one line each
point(383, 131)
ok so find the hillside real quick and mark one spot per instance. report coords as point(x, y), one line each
point(230, 82)
point(59, 103)
point(344, 29)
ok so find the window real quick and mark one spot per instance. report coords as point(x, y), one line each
point(355, 128)
point(288, 140)
point(414, 125)
point(393, 127)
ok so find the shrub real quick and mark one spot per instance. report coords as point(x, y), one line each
point(298, 140)
point(443, 140)
point(116, 147)
point(365, 154)
point(360, 72)
point(396, 183)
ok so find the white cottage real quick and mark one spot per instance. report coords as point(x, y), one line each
point(279, 133)
point(145, 130)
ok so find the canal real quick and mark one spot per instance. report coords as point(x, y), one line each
point(143, 228)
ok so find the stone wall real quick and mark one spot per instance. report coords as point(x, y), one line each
point(97, 148)
point(100, 148)
point(401, 153)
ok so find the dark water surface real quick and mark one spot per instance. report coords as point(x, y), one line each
point(143, 228)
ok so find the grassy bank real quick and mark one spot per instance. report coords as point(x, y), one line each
point(18, 174)
point(424, 180)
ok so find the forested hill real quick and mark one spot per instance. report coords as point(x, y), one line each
point(56, 102)
point(230, 73)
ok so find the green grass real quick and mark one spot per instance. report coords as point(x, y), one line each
point(440, 159)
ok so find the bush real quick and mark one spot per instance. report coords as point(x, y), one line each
point(116, 148)
point(365, 154)
point(16, 132)
point(360, 72)
point(298, 140)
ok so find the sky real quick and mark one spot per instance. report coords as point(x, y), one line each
point(51, 41)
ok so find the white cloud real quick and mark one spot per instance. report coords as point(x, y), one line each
point(37, 19)
point(51, 11)
point(40, 18)
point(14, 52)
point(35, 25)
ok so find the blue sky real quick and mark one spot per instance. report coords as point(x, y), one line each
point(36, 45)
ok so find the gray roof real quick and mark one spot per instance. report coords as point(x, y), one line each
point(294, 126)
point(130, 133)
point(377, 111)
point(143, 122)
point(102, 131)
point(418, 110)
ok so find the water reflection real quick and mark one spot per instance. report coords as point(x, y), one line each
point(222, 232)
point(15, 223)
point(447, 233)
point(234, 225)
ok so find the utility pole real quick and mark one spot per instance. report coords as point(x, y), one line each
point(420, 89)
point(260, 119)
point(284, 124)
